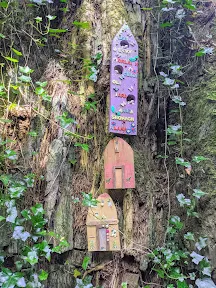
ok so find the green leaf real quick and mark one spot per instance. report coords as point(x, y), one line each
point(182, 162)
point(83, 25)
point(57, 30)
point(2, 218)
point(147, 8)
point(25, 79)
point(11, 59)
point(189, 236)
point(2, 36)
point(171, 143)
point(39, 90)
point(38, 19)
point(32, 133)
point(18, 53)
point(25, 70)
point(183, 201)
point(202, 243)
point(4, 4)
point(182, 284)
point(198, 159)
point(83, 146)
point(198, 193)
point(5, 120)
point(124, 285)
point(85, 262)
point(41, 84)
point(159, 272)
point(88, 200)
point(43, 275)
point(166, 24)
point(76, 273)
point(46, 97)
point(50, 17)
point(162, 156)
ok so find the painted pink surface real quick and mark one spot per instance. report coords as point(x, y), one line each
point(128, 175)
point(124, 83)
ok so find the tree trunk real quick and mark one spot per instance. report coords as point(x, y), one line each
point(143, 212)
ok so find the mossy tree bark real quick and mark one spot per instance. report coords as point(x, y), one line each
point(142, 211)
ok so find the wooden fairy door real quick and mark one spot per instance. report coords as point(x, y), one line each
point(118, 176)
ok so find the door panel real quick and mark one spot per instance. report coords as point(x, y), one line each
point(118, 178)
point(102, 239)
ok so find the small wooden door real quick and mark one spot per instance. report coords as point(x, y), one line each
point(102, 239)
point(118, 175)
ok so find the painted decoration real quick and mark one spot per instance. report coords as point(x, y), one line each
point(124, 83)
point(102, 226)
point(119, 165)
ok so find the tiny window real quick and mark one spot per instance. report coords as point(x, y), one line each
point(118, 69)
point(131, 99)
point(124, 43)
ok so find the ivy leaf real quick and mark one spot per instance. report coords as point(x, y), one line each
point(76, 273)
point(46, 97)
point(50, 17)
point(25, 70)
point(166, 24)
point(41, 84)
point(206, 282)
point(18, 53)
point(85, 262)
point(11, 59)
point(2, 218)
point(88, 200)
point(196, 258)
point(192, 276)
point(39, 90)
point(24, 78)
point(12, 211)
point(182, 200)
point(207, 271)
point(38, 19)
point(83, 25)
point(32, 256)
point(176, 222)
point(11, 154)
point(21, 282)
point(182, 162)
point(202, 243)
point(181, 284)
point(57, 30)
point(32, 133)
point(43, 275)
point(19, 233)
point(83, 146)
point(198, 193)
point(178, 100)
point(198, 159)
point(160, 272)
point(189, 236)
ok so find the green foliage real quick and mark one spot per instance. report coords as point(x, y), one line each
point(85, 262)
point(83, 25)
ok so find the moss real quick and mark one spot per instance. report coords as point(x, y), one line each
point(200, 126)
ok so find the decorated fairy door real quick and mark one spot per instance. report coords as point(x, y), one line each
point(119, 165)
point(124, 83)
point(102, 226)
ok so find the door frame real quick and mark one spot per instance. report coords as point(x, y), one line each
point(123, 172)
point(98, 238)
